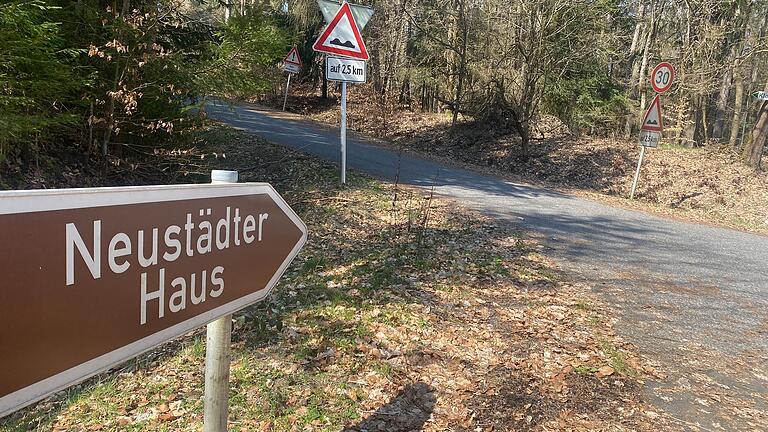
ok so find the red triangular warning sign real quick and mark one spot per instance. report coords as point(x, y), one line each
point(342, 36)
point(293, 57)
point(652, 120)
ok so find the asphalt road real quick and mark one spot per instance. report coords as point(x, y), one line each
point(695, 297)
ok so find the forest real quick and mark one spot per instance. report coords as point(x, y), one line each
point(505, 255)
point(103, 76)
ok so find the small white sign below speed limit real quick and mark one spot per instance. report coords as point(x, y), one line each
point(662, 77)
point(649, 138)
point(345, 70)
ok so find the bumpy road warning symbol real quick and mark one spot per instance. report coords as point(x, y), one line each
point(342, 36)
point(652, 119)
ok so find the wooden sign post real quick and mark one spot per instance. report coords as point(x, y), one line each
point(218, 343)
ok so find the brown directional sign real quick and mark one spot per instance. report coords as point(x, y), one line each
point(93, 277)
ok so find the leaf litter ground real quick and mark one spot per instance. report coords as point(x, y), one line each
point(404, 312)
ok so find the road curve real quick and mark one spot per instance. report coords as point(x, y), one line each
point(678, 287)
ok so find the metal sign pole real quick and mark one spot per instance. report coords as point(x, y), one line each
point(637, 173)
point(343, 133)
point(218, 341)
point(287, 86)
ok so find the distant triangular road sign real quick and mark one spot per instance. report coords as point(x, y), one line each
point(342, 36)
point(293, 57)
point(652, 120)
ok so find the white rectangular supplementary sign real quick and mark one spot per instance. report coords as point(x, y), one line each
point(345, 70)
point(649, 138)
point(291, 68)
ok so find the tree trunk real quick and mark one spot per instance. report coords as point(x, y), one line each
point(638, 78)
point(718, 128)
point(457, 100)
point(524, 129)
point(753, 150)
point(691, 130)
point(682, 107)
point(110, 126)
point(633, 50)
point(636, 40)
point(738, 105)
point(703, 121)
point(460, 31)
point(642, 75)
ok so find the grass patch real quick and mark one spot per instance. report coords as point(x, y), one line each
point(618, 359)
point(585, 370)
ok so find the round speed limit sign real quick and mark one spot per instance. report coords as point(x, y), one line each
point(662, 77)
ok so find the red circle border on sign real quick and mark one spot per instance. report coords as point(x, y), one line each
point(671, 78)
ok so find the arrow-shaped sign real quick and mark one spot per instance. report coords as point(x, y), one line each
point(93, 277)
point(760, 95)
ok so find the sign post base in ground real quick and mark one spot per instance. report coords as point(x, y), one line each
point(218, 342)
point(217, 348)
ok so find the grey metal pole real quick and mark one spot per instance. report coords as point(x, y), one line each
point(287, 86)
point(637, 173)
point(218, 342)
point(343, 133)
